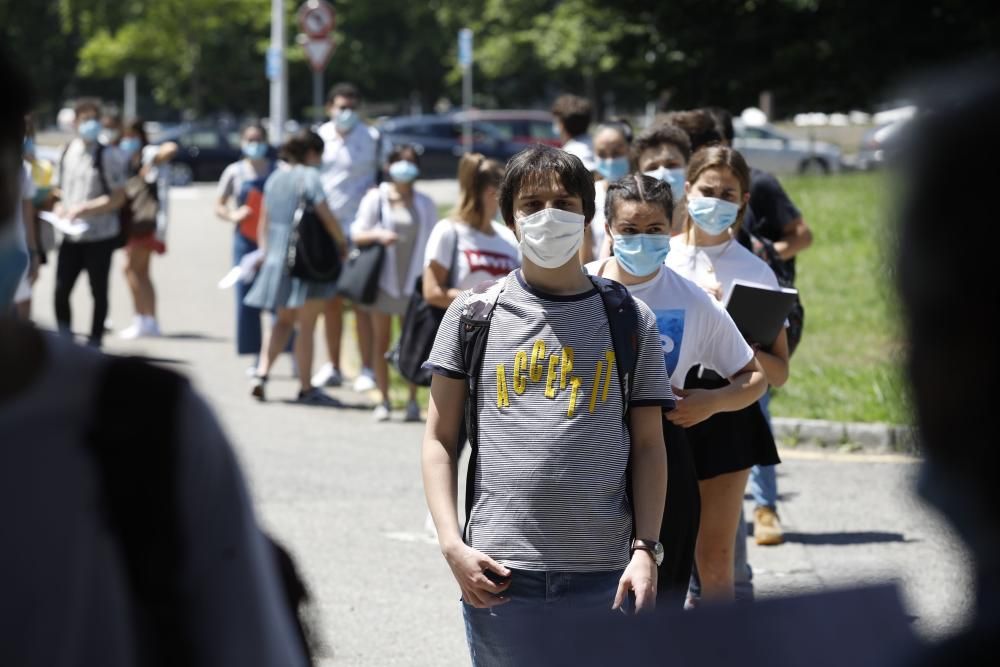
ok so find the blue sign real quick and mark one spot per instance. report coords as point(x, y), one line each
point(272, 64)
point(465, 47)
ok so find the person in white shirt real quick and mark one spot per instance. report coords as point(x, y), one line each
point(572, 120)
point(611, 151)
point(694, 329)
point(351, 159)
point(717, 191)
point(469, 247)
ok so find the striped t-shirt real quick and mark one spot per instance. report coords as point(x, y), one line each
point(551, 472)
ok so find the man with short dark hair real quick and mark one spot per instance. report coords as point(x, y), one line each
point(573, 116)
point(560, 429)
point(91, 182)
point(349, 170)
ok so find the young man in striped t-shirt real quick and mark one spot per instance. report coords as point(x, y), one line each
point(551, 520)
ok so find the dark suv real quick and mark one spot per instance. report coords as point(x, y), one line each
point(438, 138)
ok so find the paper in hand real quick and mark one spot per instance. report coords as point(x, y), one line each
point(243, 272)
point(64, 225)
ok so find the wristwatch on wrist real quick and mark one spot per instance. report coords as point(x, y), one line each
point(654, 548)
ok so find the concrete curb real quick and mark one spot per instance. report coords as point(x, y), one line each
point(846, 436)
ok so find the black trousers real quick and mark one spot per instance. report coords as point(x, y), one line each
point(681, 516)
point(94, 257)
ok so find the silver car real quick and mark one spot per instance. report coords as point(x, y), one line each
point(767, 148)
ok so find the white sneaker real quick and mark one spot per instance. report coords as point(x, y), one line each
point(381, 412)
point(150, 329)
point(365, 381)
point(412, 412)
point(327, 376)
point(134, 331)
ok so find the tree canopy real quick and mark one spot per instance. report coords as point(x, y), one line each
point(207, 56)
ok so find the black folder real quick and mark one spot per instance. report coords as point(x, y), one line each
point(760, 311)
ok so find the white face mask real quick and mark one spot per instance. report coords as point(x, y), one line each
point(551, 237)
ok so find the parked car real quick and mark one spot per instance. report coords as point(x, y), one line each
point(438, 138)
point(767, 148)
point(879, 144)
point(203, 151)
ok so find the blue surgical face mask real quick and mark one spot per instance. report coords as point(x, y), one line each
point(255, 150)
point(612, 168)
point(641, 254)
point(672, 177)
point(90, 130)
point(403, 171)
point(130, 146)
point(13, 262)
point(345, 120)
point(714, 216)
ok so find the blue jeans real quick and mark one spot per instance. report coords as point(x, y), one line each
point(248, 331)
point(763, 479)
point(509, 634)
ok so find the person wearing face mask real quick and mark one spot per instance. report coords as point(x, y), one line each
point(401, 219)
point(350, 169)
point(726, 444)
point(662, 151)
point(551, 523)
point(611, 148)
point(694, 329)
point(91, 187)
point(111, 128)
point(572, 121)
point(239, 201)
point(296, 302)
point(148, 168)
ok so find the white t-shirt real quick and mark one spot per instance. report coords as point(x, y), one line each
point(597, 226)
point(480, 256)
point(718, 265)
point(160, 175)
point(582, 147)
point(694, 327)
point(350, 164)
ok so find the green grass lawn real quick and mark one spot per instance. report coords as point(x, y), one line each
point(847, 366)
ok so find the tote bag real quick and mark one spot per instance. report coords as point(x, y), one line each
point(420, 325)
point(359, 277)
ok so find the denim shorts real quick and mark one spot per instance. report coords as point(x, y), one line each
point(518, 632)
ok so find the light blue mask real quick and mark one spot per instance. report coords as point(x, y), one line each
point(672, 177)
point(13, 262)
point(641, 254)
point(90, 130)
point(714, 216)
point(130, 146)
point(612, 168)
point(345, 120)
point(255, 150)
point(403, 171)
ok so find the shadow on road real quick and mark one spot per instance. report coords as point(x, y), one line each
point(845, 539)
point(188, 335)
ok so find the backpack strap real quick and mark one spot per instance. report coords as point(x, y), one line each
point(137, 468)
point(99, 166)
point(623, 321)
point(473, 331)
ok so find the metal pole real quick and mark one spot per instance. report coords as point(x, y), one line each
point(279, 82)
point(318, 96)
point(129, 106)
point(467, 104)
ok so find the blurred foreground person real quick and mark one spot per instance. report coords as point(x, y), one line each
point(955, 142)
point(118, 555)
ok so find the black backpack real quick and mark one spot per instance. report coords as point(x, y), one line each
point(474, 330)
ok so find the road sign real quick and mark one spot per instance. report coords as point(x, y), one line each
point(465, 47)
point(317, 19)
point(318, 51)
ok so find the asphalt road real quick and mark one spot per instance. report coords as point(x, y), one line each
point(345, 494)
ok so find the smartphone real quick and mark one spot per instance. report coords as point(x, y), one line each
point(496, 578)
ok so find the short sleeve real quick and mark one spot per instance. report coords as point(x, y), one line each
point(651, 384)
point(226, 189)
point(114, 167)
point(28, 189)
point(446, 355)
point(726, 351)
point(773, 211)
point(440, 244)
point(367, 217)
point(314, 187)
